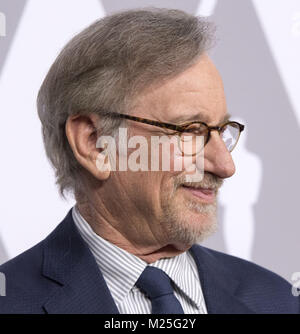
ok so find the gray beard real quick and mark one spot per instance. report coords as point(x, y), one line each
point(179, 231)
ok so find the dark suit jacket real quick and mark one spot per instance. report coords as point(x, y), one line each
point(60, 275)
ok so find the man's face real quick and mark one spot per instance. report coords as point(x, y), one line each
point(171, 210)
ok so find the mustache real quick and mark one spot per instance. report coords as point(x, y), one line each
point(209, 181)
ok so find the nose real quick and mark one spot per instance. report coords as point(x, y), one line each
point(217, 158)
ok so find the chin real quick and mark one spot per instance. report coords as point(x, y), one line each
point(188, 220)
point(191, 226)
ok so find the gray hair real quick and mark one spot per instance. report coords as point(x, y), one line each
point(103, 68)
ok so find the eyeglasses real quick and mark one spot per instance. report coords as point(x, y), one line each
point(229, 131)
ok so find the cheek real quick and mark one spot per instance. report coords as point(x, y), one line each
point(147, 186)
point(172, 158)
point(168, 189)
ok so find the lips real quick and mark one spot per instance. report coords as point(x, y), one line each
point(205, 194)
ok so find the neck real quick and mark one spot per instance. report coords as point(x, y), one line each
point(140, 243)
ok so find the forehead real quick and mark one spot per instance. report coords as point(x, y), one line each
point(196, 94)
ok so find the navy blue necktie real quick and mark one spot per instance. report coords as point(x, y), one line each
point(156, 285)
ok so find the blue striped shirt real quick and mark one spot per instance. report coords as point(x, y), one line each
point(121, 270)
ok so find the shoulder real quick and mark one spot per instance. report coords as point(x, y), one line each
point(22, 281)
point(256, 285)
point(25, 286)
point(245, 270)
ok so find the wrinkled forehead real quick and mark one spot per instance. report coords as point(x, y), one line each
point(197, 92)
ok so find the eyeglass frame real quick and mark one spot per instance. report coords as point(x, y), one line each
point(182, 128)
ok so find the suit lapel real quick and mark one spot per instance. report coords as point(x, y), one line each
point(218, 284)
point(81, 287)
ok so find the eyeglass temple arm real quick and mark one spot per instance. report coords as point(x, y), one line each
point(151, 122)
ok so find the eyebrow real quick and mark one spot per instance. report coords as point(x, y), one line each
point(198, 117)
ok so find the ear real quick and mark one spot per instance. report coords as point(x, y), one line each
point(81, 131)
